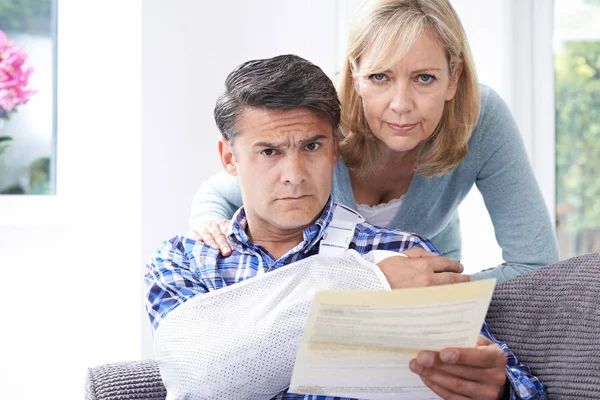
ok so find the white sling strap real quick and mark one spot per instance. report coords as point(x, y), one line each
point(339, 233)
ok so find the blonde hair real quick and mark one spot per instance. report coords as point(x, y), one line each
point(388, 29)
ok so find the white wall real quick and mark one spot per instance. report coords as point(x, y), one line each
point(70, 263)
point(487, 25)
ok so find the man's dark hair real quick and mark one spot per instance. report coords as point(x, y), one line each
point(280, 83)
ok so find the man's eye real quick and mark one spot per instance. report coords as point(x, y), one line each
point(268, 152)
point(313, 146)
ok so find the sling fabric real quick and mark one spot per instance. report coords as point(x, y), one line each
point(240, 342)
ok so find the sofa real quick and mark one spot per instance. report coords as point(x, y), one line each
point(550, 318)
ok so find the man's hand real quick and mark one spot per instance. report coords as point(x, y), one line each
point(420, 269)
point(213, 234)
point(460, 374)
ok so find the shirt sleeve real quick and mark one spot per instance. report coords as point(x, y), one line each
point(512, 196)
point(368, 237)
point(169, 280)
point(217, 198)
point(523, 385)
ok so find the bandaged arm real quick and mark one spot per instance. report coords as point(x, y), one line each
point(242, 339)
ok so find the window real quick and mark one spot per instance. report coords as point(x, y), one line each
point(27, 152)
point(577, 74)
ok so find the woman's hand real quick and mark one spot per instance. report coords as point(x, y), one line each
point(213, 234)
point(421, 268)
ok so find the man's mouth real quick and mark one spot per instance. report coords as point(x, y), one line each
point(291, 198)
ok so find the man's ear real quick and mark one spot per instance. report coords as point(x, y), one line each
point(336, 145)
point(227, 156)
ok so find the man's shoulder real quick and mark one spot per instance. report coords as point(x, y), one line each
point(371, 237)
point(182, 248)
point(375, 232)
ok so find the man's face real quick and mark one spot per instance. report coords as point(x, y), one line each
point(284, 161)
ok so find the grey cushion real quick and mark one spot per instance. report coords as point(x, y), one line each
point(135, 380)
point(550, 319)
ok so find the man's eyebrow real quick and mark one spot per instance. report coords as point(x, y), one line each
point(313, 139)
point(267, 144)
point(304, 142)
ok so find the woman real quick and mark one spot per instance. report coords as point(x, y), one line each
point(418, 132)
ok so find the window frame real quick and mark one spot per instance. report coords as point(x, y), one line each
point(532, 91)
point(28, 209)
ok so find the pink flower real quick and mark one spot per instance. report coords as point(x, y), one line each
point(13, 78)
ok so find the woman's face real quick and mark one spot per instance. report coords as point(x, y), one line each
point(404, 104)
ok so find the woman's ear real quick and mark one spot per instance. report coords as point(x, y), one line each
point(454, 79)
point(356, 85)
point(227, 156)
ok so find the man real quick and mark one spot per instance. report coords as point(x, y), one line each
point(279, 120)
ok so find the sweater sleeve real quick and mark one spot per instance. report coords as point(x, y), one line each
point(511, 194)
point(218, 198)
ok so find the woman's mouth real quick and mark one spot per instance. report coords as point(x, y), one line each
point(402, 128)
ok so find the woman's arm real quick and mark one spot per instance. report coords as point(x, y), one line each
point(511, 193)
point(218, 198)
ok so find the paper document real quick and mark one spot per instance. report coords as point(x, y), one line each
point(358, 344)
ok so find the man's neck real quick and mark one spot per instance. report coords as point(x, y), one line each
point(276, 241)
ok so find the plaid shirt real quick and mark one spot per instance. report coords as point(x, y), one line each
point(182, 268)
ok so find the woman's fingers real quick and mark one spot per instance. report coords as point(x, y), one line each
point(214, 234)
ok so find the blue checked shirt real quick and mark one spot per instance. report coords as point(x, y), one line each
point(182, 268)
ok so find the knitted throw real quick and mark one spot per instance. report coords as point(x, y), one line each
point(135, 380)
point(550, 319)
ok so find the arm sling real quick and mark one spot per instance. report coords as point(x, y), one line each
point(240, 342)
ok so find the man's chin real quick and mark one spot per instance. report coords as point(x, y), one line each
point(294, 219)
point(294, 223)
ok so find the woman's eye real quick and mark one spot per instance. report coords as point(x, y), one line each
point(313, 146)
point(377, 77)
point(426, 78)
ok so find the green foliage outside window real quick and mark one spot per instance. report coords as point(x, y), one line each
point(578, 143)
point(26, 16)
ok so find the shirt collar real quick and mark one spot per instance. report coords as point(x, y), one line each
point(239, 239)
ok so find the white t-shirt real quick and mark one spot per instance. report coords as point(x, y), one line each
point(381, 214)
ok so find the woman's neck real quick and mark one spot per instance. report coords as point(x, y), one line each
point(390, 180)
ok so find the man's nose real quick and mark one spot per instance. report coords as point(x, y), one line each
point(294, 171)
